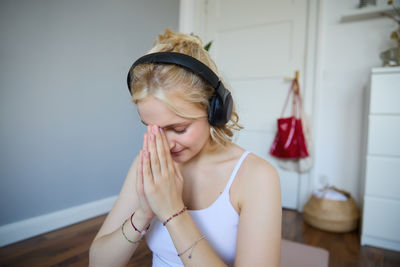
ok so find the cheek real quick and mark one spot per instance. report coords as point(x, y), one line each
point(198, 136)
point(188, 139)
point(191, 138)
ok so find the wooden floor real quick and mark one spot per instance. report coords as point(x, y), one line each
point(69, 246)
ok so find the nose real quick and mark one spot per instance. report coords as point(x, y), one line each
point(170, 140)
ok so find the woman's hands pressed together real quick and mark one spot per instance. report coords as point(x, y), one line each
point(159, 183)
point(144, 206)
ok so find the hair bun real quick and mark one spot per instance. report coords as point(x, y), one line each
point(176, 41)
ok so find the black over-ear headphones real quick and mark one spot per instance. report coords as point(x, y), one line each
point(220, 103)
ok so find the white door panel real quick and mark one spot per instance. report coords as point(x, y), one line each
point(290, 188)
point(257, 142)
point(238, 13)
point(256, 44)
point(256, 111)
point(271, 46)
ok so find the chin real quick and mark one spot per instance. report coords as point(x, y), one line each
point(180, 157)
point(179, 160)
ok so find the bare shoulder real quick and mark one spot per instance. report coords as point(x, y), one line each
point(260, 166)
point(258, 179)
point(258, 171)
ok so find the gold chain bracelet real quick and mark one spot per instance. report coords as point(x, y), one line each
point(191, 247)
point(130, 241)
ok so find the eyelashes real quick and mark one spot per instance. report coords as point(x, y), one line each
point(180, 132)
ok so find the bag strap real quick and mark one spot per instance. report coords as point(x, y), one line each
point(287, 98)
point(297, 96)
point(296, 102)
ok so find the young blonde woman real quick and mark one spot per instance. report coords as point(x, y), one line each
point(196, 197)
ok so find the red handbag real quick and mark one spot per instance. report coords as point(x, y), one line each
point(289, 142)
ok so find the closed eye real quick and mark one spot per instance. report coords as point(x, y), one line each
point(180, 132)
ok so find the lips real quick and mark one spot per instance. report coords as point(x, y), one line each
point(177, 152)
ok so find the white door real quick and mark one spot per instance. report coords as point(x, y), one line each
point(256, 44)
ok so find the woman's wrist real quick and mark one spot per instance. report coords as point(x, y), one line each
point(172, 216)
point(140, 220)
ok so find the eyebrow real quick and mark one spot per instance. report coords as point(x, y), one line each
point(171, 125)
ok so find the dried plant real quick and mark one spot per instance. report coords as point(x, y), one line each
point(395, 35)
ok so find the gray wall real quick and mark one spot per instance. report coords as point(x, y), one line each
point(68, 131)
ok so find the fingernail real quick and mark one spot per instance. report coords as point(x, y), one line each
point(155, 129)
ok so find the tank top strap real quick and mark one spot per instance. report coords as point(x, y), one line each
point(235, 170)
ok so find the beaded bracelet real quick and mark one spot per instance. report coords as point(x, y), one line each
point(130, 241)
point(176, 214)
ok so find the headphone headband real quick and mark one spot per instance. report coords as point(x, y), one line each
point(220, 104)
point(179, 59)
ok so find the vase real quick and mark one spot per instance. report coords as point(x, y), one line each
point(391, 57)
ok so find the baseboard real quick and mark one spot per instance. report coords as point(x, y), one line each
point(21, 230)
point(380, 242)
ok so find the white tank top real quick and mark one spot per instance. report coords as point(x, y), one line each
point(218, 223)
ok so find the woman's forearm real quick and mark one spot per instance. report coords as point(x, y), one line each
point(114, 249)
point(184, 234)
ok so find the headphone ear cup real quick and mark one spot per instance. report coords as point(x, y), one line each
point(211, 110)
point(217, 114)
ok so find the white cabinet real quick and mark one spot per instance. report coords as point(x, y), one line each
point(381, 209)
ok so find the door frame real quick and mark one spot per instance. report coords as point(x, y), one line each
point(192, 14)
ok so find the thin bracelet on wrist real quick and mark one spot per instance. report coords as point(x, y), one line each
point(191, 247)
point(176, 214)
point(143, 232)
point(130, 241)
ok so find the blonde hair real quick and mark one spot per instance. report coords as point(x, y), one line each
point(161, 81)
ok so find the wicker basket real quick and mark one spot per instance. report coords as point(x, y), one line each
point(332, 215)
